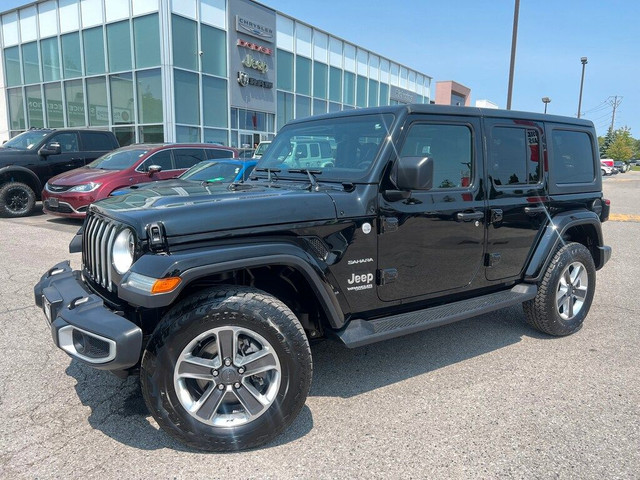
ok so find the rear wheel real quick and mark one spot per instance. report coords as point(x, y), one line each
point(228, 369)
point(565, 293)
point(16, 199)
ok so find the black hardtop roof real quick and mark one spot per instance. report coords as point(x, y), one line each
point(453, 110)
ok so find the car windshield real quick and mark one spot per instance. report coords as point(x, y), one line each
point(341, 148)
point(262, 147)
point(118, 159)
point(224, 172)
point(26, 140)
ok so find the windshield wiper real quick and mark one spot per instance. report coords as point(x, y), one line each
point(270, 171)
point(311, 174)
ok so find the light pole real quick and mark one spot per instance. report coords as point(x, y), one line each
point(514, 40)
point(583, 60)
point(546, 101)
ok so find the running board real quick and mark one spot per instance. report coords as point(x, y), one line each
point(363, 332)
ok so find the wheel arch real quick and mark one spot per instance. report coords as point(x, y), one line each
point(15, 173)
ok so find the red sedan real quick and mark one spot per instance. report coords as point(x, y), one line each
point(70, 194)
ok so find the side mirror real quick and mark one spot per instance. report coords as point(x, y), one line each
point(153, 169)
point(52, 148)
point(413, 173)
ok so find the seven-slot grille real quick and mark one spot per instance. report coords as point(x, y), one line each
point(97, 243)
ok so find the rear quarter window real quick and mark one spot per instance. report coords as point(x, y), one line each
point(92, 141)
point(572, 160)
point(218, 153)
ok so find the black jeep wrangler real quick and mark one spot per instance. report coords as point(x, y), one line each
point(426, 215)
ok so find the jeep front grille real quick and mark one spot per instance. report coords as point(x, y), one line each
point(97, 243)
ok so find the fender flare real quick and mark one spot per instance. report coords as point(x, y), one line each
point(552, 236)
point(17, 168)
point(199, 263)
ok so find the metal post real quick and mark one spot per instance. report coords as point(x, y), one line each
point(546, 101)
point(514, 39)
point(584, 62)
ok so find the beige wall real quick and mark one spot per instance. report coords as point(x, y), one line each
point(445, 89)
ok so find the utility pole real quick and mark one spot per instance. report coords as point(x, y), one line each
point(514, 40)
point(614, 103)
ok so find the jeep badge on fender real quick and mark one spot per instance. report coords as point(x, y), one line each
point(362, 225)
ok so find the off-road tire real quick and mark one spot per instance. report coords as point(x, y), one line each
point(542, 312)
point(222, 307)
point(16, 200)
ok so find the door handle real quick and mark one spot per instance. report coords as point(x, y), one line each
point(534, 210)
point(467, 216)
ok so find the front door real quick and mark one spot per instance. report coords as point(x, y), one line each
point(433, 241)
point(70, 156)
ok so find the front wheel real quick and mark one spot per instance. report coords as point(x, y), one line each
point(227, 369)
point(16, 200)
point(565, 293)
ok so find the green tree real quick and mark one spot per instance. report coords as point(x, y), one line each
point(605, 142)
point(622, 146)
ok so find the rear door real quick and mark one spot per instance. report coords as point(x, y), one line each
point(186, 158)
point(518, 198)
point(433, 241)
point(95, 144)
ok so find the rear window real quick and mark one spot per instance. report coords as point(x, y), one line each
point(572, 157)
point(218, 153)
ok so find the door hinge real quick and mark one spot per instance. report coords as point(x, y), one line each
point(491, 259)
point(388, 275)
point(389, 224)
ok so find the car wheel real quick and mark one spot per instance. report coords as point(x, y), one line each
point(227, 369)
point(16, 200)
point(565, 292)
point(604, 173)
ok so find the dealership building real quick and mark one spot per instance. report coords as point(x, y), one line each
point(222, 71)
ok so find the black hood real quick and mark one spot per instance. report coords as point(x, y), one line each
point(187, 207)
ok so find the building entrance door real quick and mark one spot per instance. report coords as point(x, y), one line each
point(250, 139)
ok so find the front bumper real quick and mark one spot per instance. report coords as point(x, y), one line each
point(82, 325)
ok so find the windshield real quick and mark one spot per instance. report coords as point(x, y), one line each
point(261, 148)
point(341, 148)
point(213, 172)
point(26, 140)
point(118, 160)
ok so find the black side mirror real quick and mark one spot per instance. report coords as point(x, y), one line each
point(52, 148)
point(413, 173)
point(153, 169)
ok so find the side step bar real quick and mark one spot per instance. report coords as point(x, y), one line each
point(363, 332)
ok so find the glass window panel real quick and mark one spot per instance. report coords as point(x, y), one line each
point(163, 158)
point(31, 63)
point(349, 88)
point(187, 134)
point(146, 37)
point(125, 135)
point(187, 97)
point(572, 153)
point(93, 42)
point(122, 98)
point(68, 141)
point(384, 94)
point(334, 107)
point(303, 106)
point(12, 66)
point(284, 109)
point(149, 88)
point(303, 75)
point(50, 59)
point(119, 46)
point(335, 84)
point(74, 94)
point(285, 70)
point(319, 80)
point(214, 57)
point(373, 93)
point(507, 162)
point(16, 108)
point(361, 99)
point(55, 110)
point(187, 157)
point(71, 61)
point(35, 117)
point(319, 106)
point(97, 100)
point(234, 118)
point(214, 96)
point(185, 43)
point(212, 135)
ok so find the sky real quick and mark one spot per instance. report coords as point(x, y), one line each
point(469, 41)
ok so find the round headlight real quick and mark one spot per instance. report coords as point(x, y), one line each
point(123, 251)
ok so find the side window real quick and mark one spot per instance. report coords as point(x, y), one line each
point(572, 157)
point(314, 150)
point(188, 157)
point(218, 153)
point(92, 141)
point(450, 148)
point(68, 141)
point(161, 158)
point(514, 156)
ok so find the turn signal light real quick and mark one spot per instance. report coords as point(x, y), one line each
point(164, 285)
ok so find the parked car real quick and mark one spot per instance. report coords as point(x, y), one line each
point(30, 159)
point(261, 148)
point(71, 193)
point(635, 161)
point(621, 166)
point(606, 169)
point(427, 215)
point(209, 171)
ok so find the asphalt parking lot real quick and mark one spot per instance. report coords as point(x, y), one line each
point(484, 398)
